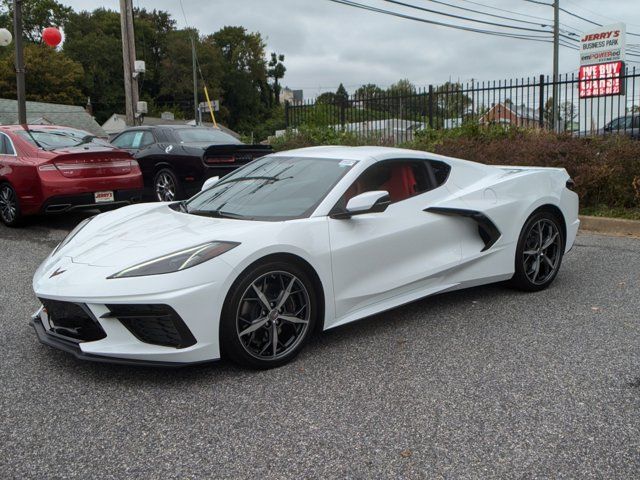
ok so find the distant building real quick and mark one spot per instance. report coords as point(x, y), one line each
point(291, 96)
point(508, 113)
point(40, 113)
point(117, 123)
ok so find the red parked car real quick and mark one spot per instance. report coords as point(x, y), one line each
point(52, 169)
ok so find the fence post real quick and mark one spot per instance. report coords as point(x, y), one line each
point(286, 114)
point(541, 103)
point(342, 112)
point(430, 107)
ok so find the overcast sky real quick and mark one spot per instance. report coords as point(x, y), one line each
point(326, 43)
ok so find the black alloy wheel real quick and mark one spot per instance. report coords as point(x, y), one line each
point(539, 252)
point(269, 316)
point(9, 206)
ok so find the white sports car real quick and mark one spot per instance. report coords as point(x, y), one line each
point(293, 243)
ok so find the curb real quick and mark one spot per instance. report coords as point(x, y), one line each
point(610, 226)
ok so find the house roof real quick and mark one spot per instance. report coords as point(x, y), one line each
point(51, 113)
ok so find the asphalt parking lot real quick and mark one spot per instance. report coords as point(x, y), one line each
point(476, 384)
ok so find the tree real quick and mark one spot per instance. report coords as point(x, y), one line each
point(368, 91)
point(328, 98)
point(93, 40)
point(276, 71)
point(36, 16)
point(51, 76)
point(342, 96)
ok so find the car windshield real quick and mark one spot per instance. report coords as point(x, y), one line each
point(271, 188)
point(205, 135)
point(52, 139)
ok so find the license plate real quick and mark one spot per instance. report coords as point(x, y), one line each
point(102, 197)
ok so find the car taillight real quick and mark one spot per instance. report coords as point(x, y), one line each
point(47, 167)
point(220, 159)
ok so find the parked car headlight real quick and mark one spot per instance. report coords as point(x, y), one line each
point(72, 234)
point(177, 261)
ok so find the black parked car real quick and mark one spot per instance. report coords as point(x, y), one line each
point(176, 159)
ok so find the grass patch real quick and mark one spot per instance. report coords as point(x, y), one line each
point(606, 211)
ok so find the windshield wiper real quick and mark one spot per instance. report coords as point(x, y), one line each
point(217, 214)
point(256, 177)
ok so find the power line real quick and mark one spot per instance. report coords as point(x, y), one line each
point(467, 19)
point(535, 38)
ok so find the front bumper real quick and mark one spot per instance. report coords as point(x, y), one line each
point(74, 348)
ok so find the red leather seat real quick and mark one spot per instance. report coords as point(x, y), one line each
point(402, 183)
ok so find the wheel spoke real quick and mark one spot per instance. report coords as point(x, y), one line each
point(531, 252)
point(290, 319)
point(275, 338)
point(284, 295)
point(550, 241)
point(548, 261)
point(263, 299)
point(259, 323)
point(536, 268)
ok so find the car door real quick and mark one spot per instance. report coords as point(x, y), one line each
point(378, 257)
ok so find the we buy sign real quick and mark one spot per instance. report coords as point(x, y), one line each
point(600, 80)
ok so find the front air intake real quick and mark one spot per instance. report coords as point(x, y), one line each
point(154, 324)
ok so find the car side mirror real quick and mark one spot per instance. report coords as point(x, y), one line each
point(367, 202)
point(209, 182)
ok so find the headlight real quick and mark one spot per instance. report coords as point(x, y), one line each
point(72, 234)
point(177, 261)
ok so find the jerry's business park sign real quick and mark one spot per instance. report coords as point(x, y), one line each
point(602, 62)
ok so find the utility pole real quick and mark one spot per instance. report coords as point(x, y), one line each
point(556, 49)
point(128, 59)
point(195, 81)
point(20, 89)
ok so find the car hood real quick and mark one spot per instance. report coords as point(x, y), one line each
point(132, 235)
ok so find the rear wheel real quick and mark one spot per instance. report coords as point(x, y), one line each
point(9, 206)
point(268, 316)
point(166, 187)
point(539, 252)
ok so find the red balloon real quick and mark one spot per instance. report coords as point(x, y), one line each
point(51, 36)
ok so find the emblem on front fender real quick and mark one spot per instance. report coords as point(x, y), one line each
point(57, 272)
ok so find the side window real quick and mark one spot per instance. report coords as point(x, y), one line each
point(440, 171)
point(6, 147)
point(146, 139)
point(125, 140)
point(401, 178)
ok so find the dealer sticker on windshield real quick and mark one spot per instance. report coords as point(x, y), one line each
point(347, 163)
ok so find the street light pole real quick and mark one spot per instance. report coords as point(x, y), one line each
point(20, 88)
point(195, 81)
point(556, 51)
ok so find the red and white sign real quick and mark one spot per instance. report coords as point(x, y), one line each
point(601, 80)
point(603, 44)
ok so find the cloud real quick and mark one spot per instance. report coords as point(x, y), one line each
point(326, 43)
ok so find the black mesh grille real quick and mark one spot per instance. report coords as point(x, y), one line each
point(72, 320)
point(155, 324)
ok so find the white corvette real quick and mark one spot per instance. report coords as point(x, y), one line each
point(293, 243)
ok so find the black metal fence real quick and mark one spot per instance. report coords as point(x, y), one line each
point(395, 115)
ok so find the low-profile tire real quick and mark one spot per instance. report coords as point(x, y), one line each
point(272, 303)
point(166, 187)
point(10, 213)
point(539, 252)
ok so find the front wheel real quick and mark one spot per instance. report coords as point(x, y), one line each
point(268, 316)
point(9, 206)
point(539, 252)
